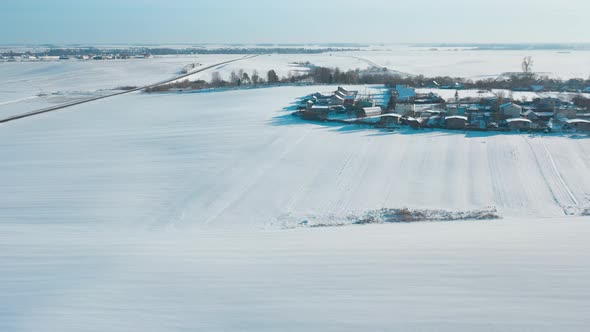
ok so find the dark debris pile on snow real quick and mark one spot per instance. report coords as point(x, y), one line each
point(402, 215)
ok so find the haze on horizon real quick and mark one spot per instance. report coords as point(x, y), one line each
point(304, 21)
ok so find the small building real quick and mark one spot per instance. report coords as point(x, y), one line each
point(405, 93)
point(510, 110)
point(434, 121)
point(415, 123)
point(519, 124)
point(457, 109)
point(405, 109)
point(566, 113)
point(318, 113)
point(369, 111)
point(531, 115)
point(344, 97)
point(456, 122)
point(577, 124)
point(390, 120)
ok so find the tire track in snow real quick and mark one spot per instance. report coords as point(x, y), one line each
point(558, 174)
point(560, 191)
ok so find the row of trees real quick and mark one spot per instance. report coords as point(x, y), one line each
point(236, 79)
point(324, 75)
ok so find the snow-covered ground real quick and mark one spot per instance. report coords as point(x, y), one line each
point(27, 86)
point(174, 212)
point(454, 62)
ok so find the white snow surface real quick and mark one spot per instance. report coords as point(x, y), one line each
point(167, 212)
point(454, 62)
point(27, 86)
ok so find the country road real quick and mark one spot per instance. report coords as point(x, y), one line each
point(62, 106)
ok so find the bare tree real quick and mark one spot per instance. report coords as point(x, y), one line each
point(272, 76)
point(527, 65)
point(216, 79)
point(246, 79)
point(234, 78)
point(255, 77)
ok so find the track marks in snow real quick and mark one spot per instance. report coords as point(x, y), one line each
point(561, 192)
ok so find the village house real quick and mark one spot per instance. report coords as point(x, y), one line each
point(317, 113)
point(368, 111)
point(510, 110)
point(390, 120)
point(577, 124)
point(519, 124)
point(548, 104)
point(405, 109)
point(405, 93)
point(344, 97)
point(566, 113)
point(457, 109)
point(456, 122)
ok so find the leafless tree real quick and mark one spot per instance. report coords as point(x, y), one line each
point(255, 78)
point(216, 78)
point(527, 65)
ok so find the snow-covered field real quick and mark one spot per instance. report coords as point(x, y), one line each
point(174, 212)
point(27, 86)
point(459, 62)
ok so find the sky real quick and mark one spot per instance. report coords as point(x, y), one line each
point(300, 21)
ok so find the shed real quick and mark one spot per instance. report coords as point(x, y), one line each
point(519, 124)
point(456, 122)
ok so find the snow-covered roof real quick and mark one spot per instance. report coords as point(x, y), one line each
point(456, 117)
point(509, 104)
point(528, 112)
point(570, 121)
point(518, 120)
point(391, 115)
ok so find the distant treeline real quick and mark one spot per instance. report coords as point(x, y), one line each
point(514, 81)
point(172, 51)
point(324, 75)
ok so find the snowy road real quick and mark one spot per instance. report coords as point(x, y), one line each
point(166, 213)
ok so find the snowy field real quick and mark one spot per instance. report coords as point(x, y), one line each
point(454, 62)
point(175, 212)
point(27, 86)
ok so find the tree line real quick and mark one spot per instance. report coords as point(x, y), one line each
point(325, 75)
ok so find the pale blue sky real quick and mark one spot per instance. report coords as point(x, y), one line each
point(296, 21)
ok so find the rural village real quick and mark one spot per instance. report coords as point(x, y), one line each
point(404, 106)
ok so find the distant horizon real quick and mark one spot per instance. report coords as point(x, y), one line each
point(327, 44)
